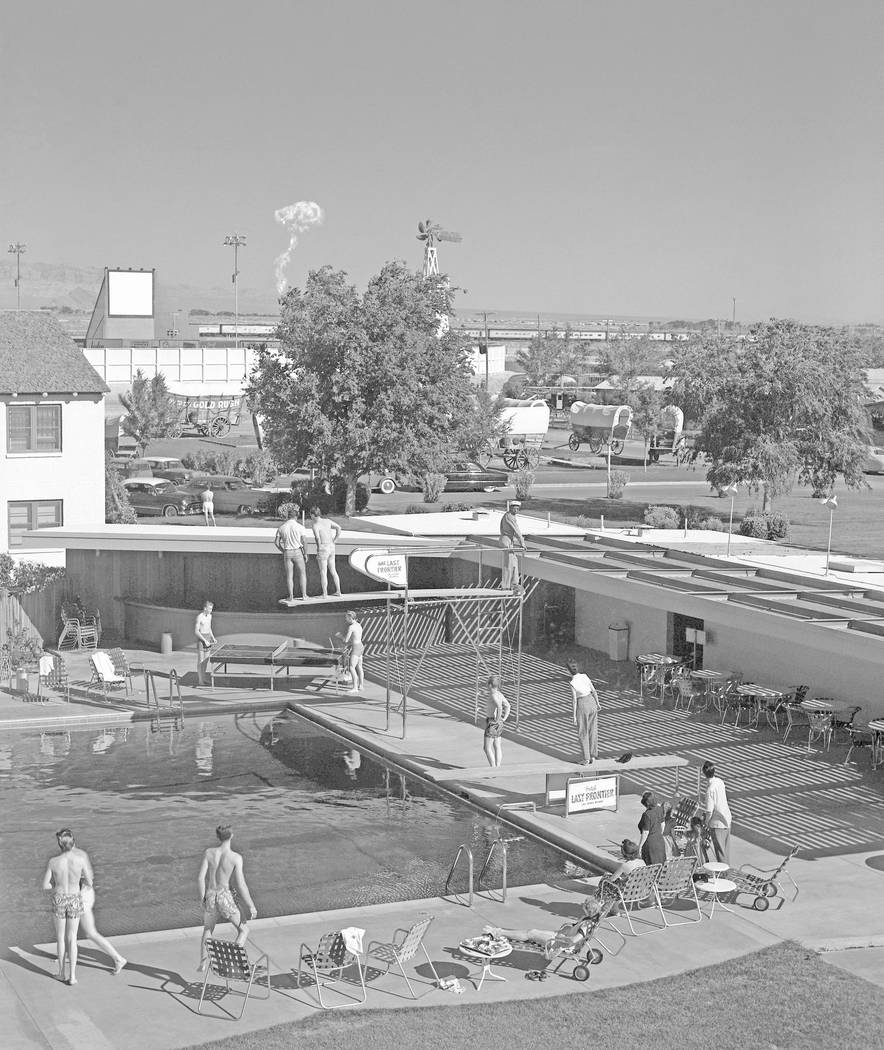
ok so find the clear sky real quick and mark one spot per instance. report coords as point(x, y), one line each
point(598, 157)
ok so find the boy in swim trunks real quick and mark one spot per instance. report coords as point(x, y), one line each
point(220, 863)
point(325, 532)
point(497, 711)
point(62, 880)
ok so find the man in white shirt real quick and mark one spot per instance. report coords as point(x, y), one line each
point(585, 707)
point(718, 814)
point(289, 542)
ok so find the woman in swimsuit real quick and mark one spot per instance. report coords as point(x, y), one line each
point(353, 639)
point(567, 937)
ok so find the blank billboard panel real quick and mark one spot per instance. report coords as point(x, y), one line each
point(130, 293)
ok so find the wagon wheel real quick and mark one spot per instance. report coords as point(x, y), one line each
point(616, 446)
point(533, 456)
point(219, 426)
point(175, 430)
point(573, 442)
point(511, 458)
point(522, 459)
point(595, 444)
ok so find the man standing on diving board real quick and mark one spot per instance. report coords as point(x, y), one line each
point(289, 542)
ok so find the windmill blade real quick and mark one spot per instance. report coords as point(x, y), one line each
point(446, 235)
point(421, 237)
point(421, 227)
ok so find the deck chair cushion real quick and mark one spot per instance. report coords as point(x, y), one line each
point(104, 667)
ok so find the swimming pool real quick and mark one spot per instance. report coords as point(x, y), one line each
point(320, 826)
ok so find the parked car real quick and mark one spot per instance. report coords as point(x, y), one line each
point(160, 496)
point(168, 467)
point(874, 461)
point(462, 476)
point(232, 495)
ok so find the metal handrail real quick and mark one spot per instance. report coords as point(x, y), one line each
point(150, 688)
point(503, 843)
point(463, 848)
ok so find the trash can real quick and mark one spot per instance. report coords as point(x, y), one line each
point(166, 644)
point(618, 641)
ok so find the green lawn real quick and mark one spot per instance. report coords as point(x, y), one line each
point(782, 998)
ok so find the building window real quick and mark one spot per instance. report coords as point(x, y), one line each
point(33, 428)
point(33, 514)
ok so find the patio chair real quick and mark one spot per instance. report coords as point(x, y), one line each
point(78, 629)
point(121, 666)
point(679, 820)
point(684, 693)
point(637, 889)
point(329, 959)
point(675, 882)
point(796, 716)
point(730, 701)
point(763, 884)
point(103, 673)
point(859, 736)
point(401, 949)
point(231, 962)
point(819, 728)
point(842, 721)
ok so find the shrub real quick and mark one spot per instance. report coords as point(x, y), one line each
point(662, 517)
point(711, 524)
point(258, 466)
point(416, 508)
point(117, 508)
point(522, 481)
point(777, 526)
point(452, 507)
point(619, 479)
point(754, 526)
point(433, 486)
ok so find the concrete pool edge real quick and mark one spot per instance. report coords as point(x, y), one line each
point(594, 858)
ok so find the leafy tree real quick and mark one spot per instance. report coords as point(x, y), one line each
point(626, 359)
point(549, 354)
point(117, 508)
point(787, 403)
point(363, 384)
point(148, 410)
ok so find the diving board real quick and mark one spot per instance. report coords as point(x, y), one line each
point(401, 594)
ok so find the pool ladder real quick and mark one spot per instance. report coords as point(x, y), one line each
point(463, 850)
point(176, 704)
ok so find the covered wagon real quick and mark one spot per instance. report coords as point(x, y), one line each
point(526, 421)
point(207, 412)
point(600, 426)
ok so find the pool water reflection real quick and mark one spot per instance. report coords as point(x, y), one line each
point(320, 825)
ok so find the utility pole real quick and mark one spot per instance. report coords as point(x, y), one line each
point(17, 250)
point(485, 351)
point(236, 242)
point(734, 314)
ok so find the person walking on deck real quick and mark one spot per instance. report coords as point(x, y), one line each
point(585, 709)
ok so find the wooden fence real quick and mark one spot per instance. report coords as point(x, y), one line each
point(35, 613)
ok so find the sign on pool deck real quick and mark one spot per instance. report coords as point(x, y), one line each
point(389, 568)
point(586, 794)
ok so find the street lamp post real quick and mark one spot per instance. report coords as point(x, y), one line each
point(731, 490)
point(831, 502)
point(235, 241)
point(17, 250)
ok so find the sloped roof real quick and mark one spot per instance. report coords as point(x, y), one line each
point(37, 356)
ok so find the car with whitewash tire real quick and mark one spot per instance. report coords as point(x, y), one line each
point(160, 496)
point(461, 476)
point(231, 494)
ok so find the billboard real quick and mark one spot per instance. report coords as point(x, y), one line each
point(130, 293)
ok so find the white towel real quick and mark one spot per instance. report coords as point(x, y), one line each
point(353, 939)
point(46, 665)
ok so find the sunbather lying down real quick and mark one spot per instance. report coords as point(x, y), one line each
point(569, 937)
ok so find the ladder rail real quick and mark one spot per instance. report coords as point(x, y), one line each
point(462, 849)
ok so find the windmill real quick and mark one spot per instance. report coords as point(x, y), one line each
point(430, 232)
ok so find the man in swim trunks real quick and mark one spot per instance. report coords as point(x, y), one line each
point(325, 532)
point(219, 865)
point(497, 711)
point(62, 880)
point(289, 542)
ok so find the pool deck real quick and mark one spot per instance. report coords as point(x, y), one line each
point(152, 1004)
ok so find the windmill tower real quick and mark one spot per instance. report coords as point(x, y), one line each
point(430, 232)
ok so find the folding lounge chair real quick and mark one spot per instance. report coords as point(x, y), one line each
point(329, 959)
point(231, 961)
point(400, 950)
point(761, 884)
point(679, 820)
point(121, 666)
point(579, 952)
point(636, 889)
point(675, 882)
point(103, 673)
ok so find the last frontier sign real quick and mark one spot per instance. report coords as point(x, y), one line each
point(385, 567)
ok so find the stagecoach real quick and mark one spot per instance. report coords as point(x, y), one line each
point(669, 436)
point(600, 426)
point(207, 414)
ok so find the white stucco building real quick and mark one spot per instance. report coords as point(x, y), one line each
point(52, 433)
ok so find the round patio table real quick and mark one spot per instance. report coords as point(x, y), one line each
point(715, 886)
point(766, 699)
point(472, 949)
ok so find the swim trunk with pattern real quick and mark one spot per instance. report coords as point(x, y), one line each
point(220, 906)
point(67, 905)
